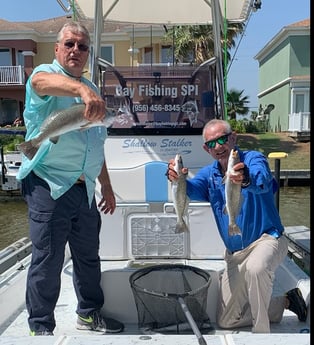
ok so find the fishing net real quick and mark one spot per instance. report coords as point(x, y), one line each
point(157, 290)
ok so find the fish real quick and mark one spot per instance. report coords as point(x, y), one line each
point(232, 194)
point(60, 122)
point(180, 198)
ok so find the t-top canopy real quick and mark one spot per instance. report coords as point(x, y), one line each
point(180, 12)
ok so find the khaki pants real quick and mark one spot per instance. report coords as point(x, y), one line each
point(246, 286)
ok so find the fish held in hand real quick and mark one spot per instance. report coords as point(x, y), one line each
point(60, 122)
point(180, 198)
point(232, 194)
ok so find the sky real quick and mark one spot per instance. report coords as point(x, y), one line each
point(263, 25)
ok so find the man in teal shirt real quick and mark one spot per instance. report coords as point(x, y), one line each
point(59, 187)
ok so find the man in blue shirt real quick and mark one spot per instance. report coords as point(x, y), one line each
point(59, 185)
point(253, 255)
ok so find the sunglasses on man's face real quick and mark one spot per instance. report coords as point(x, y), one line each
point(221, 140)
point(81, 47)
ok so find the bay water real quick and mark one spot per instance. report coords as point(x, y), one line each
point(294, 208)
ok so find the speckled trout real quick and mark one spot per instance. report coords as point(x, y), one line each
point(233, 194)
point(60, 122)
point(180, 199)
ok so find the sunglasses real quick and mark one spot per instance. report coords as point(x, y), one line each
point(82, 47)
point(221, 140)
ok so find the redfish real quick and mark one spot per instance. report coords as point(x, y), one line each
point(60, 122)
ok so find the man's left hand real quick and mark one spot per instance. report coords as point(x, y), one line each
point(107, 203)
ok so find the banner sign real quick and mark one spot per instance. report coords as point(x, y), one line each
point(152, 99)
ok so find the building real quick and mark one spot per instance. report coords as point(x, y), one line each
point(24, 45)
point(284, 81)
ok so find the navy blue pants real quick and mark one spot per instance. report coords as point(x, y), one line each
point(52, 224)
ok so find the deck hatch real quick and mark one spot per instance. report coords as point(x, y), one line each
point(153, 235)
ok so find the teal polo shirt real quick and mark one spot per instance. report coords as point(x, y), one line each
point(78, 152)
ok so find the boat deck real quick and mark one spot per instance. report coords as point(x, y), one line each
point(289, 331)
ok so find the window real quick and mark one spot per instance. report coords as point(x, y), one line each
point(148, 55)
point(20, 58)
point(299, 103)
point(5, 57)
point(167, 54)
point(106, 53)
point(300, 100)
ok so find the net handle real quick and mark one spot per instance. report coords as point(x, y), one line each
point(191, 321)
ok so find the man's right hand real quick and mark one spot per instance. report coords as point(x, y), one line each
point(171, 173)
point(95, 106)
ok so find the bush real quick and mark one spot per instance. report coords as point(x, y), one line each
point(242, 126)
point(9, 141)
point(238, 125)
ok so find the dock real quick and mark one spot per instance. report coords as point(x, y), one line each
point(295, 177)
point(299, 245)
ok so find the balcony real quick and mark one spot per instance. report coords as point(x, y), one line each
point(12, 75)
point(299, 126)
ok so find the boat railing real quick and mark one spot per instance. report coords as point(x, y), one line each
point(14, 253)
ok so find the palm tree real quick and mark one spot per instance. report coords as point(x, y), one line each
point(195, 43)
point(236, 104)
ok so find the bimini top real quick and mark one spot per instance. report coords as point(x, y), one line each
point(181, 12)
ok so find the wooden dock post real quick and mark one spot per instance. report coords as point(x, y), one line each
point(277, 156)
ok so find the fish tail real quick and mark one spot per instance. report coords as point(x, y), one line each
point(28, 149)
point(234, 230)
point(181, 226)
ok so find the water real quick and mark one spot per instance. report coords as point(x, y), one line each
point(13, 221)
point(294, 208)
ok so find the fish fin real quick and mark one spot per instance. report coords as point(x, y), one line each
point(28, 149)
point(181, 227)
point(86, 125)
point(54, 139)
point(233, 230)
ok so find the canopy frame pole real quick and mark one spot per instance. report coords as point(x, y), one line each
point(98, 29)
point(217, 25)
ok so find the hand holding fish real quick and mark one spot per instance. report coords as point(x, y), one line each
point(171, 172)
point(95, 107)
point(55, 84)
point(240, 175)
point(237, 174)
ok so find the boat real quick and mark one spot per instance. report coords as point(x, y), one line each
point(9, 166)
point(139, 238)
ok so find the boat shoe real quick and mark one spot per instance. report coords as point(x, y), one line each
point(45, 332)
point(99, 323)
point(297, 304)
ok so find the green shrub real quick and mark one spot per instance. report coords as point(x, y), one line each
point(9, 141)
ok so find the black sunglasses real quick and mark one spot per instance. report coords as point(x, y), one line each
point(82, 47)
point(221, 140)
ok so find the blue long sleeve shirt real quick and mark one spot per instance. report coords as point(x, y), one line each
point(76, 153)
point(258, 213)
